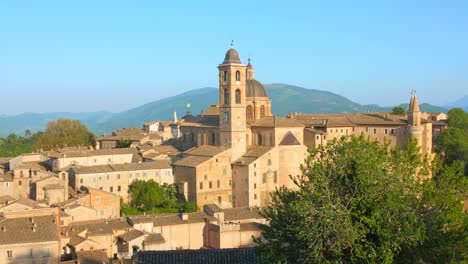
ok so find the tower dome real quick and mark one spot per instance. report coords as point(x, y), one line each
point(232, 56)
point(255, 89)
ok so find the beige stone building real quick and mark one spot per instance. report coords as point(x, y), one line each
point(115, 178)
point(31, 237)
point(61, 159)
point(241, 147)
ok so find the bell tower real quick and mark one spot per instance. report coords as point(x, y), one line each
point(414, 120)
point(232, 118)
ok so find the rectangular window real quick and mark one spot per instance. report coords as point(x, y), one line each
point(210, 185)
point(19, 183)
point(255, 196)
point(111, 189)
point(30, 252)
point(118, 176)
point(367, 129)
point(109, 160)
point(35, 173)
point(224, 171)
point(144, 174)
point(264, 178)
point(218, 184)
point(201, 185)
point(119, 189)
point(95, 160)
point(275, 177)
point(9, 254)
point(255, 186)
point(107, 177)
point(45, 252)
point(375, 130)
point(386, 132)
point(100, 188)
point(219, 199)
point(318, 137)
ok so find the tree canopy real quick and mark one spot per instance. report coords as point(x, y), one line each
point(150, 197)
point(452, 143)
point(123, 143)
point(356, 202)
point(14, 145)
point(64, 133)
point(398, 110)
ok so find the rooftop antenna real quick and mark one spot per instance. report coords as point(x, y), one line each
point(232, 43)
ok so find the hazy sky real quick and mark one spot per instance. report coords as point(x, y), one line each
point(114, 55)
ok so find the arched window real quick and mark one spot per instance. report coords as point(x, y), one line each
point(259, 139)
point(262, 111)
point(237, 76)
point(249, 112)
point(238, 96)
point(226, 96)
point(226, 75)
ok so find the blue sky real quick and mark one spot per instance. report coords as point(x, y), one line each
point(113, 55)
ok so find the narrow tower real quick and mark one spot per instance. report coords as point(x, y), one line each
point(414, 119)
point(232, 119)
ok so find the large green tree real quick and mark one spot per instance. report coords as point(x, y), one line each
point(14, 145)
point(452, 143)
point(356, 202)
point(64, 133)
point(398, 110)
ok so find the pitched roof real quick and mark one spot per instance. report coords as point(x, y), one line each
point(22, 230)
point(205, 150)
point(213, 110)
point(273, 121)
point(202, 256)
point(289, 140)
point(92, 257)
point(348, 120)
point(196, 156)
point(154, 165)
point(6, 199)
point(89, 153)
point(131, 235)
point(241, 213)
point(199, 121)
point(252, 154)
point(154, 239)
point(170, 219)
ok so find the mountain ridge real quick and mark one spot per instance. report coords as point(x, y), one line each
point(285, 99)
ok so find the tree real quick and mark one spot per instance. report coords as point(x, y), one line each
point(452, 143)
point(147, 195)
point(13, 145)
point(64, 133)
point(445, 221)
point(356, 202)
point(27, 133)
point(398, 110)
point(123, 143)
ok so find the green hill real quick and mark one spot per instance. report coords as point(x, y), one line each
point(285, 99)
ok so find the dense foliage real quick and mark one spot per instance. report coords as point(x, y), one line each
point(123, 143)
point(452, 143)
point(398, 110)
point(14, 145)
point(64, 133)
point(359, 202)
point(150, 197)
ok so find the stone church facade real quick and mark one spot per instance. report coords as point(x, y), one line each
point(238, 152)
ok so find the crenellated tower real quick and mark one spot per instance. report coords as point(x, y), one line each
point(232, 105)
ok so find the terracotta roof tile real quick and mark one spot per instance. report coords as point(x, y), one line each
point(202, 256)
point(22, 230)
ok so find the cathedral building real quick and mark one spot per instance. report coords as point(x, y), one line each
point(237, 152)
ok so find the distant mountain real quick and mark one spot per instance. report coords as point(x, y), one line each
point(285, 99)
point(18, 124)
point(462, 103)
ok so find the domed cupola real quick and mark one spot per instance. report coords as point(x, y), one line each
point(232, 56)
point(255, 89)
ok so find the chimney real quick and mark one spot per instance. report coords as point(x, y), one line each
point(175, 117)
point(183, 216)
